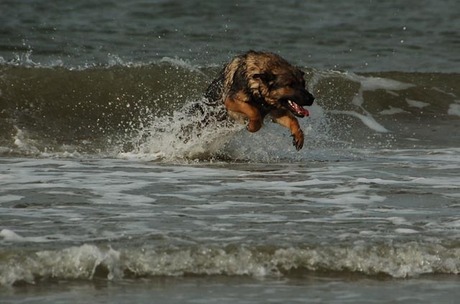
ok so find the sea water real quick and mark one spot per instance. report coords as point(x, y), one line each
point(111, 191)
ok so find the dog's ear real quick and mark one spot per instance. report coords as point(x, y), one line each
point(267, 78)
point(302, 73)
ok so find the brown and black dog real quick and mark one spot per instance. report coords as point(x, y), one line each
point(255, 84)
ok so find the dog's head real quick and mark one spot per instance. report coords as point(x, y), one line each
point(279, 83)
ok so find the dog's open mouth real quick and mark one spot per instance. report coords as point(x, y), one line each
point(297, 109)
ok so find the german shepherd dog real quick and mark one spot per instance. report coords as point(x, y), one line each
point(255, 84)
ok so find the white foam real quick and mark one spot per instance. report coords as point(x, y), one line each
point(398, 260)
point(369, 121)
point(392, 111)
point(114, 60)
point(80, 262)
point(181, 136)
point(9, 197)
point(9, 235)
point(372, 84)
point(397, 220)
point(405, 231)
point(378, 83)
point(454, 223)
point(454, 109)
point(147, 156)
point(178, 62)
point(416, 103)
point(378, 181)
point(69, 263)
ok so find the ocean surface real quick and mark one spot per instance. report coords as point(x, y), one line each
point(111, 192)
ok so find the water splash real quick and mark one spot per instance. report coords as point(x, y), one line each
point(193, 132)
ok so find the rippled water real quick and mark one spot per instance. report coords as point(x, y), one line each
point(356, 35)
point(377, 216)
point(104, 198)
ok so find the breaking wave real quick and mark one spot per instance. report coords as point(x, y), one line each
point(87, 262)
point(140, 111)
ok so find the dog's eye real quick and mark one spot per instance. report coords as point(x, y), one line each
point(265, 77)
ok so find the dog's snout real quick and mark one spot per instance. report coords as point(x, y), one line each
point(308, 98)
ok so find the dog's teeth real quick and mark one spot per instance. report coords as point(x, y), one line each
point(292, 104)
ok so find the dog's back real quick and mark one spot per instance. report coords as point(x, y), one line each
point(214, 91)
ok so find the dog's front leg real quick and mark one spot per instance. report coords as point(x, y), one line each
point(286, 119)
point(251, 112)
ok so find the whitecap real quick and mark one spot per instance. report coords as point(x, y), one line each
point(405, 231)
point(9, 235)
point(392, 111)
point(416, 103)
point(378, 83)
point(368, 120)
point(454, 109)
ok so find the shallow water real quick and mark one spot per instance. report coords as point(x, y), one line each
point(111, 190)
point(361, 221)
point(308, 289)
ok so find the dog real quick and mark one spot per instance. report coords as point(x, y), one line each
point(255, 84)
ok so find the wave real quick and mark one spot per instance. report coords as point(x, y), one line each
point(139, 110)
point(87, 262)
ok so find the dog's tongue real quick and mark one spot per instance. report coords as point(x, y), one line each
point(299, 110)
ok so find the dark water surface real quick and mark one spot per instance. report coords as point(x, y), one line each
point(353, 35)
point(102, 200)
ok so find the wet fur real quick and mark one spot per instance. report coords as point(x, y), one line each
point(256, 84)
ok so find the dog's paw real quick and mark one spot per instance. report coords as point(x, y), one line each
point(254, 125)
point(298, 139)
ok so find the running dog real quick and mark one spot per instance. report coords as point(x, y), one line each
point(255, 84)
